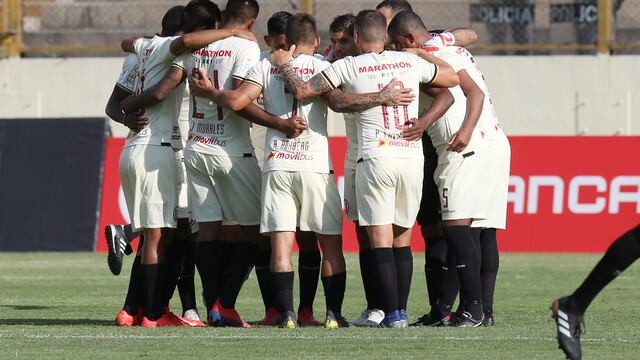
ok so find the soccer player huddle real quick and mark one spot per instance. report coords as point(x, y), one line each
point(227, 166)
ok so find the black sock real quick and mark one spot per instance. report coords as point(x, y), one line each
point(207, 259)
point(283, 290)
point(460, 240)
point(450, 285)
point(174, 255)
point(488, 268)
point(368, 280)
point(435, 256)
point(404, 272)
point(161, 299)
point(334, 288)
point(384, 265)
point(131, 302)
point(309, 274)
point(186, 285)
point(149, 284)
point(622, 253)
point(239, 263)
point(261, 260)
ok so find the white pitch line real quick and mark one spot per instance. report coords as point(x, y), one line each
point(302, 337)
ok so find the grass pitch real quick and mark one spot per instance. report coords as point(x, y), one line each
point(63, 306)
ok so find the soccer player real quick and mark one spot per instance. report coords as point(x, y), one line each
point(461, 160)
point(568, 311)
point(498, 152)
point(389, 173)
point(151, 195)
point(309, 257)
point(290, 165)
point(343, 45)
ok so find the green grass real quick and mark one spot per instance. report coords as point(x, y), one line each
point(63, 306)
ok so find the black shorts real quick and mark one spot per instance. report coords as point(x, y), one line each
point(429, 213)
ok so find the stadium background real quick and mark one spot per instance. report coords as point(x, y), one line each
point(563, 74)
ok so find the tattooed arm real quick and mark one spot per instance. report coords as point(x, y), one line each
point(300, 89)
point(464, 36)
point(391, 95)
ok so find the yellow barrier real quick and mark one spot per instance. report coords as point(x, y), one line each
point(11, 33)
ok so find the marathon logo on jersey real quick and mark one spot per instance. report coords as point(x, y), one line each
point(298, 70)
point(295, 156)
point(212, 140)
point(212, 53)
point(384, 67)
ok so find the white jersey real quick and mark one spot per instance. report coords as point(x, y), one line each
point(443, 129)
point(380, 127)
point(212, 129)
point(310, 151)
point(351, 130)
point(155, 59)
point(129, 74)
point(488, 121)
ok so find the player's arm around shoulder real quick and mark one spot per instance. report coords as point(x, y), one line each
point(300, 89)
point(156, 93)
point(201, 86)
point(393, 94)
point(202, 38)
point(443, 76)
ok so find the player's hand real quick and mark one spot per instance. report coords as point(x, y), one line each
point(394, 94)
point(200, 85)
point(135, 121)
point(245, 35)
point(294, 126)
point(460, 140)
point(281, 57)
point(415, 131)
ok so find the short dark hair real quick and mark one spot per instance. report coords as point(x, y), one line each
point(241, 10)
point(172, 20)
point(277, 23)
point(371, 26)
point(405, 22)
point(200, 13)
point(343, 23)
point(301, 29)
point(395, 5)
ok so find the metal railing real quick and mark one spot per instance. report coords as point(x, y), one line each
point(95, 27)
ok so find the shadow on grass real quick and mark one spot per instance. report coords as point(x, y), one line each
point(56, 322)
point(28, 307)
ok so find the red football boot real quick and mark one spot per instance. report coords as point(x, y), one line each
point(125, 319)
point(305, 318)
point(271, 317)
point(230, 316)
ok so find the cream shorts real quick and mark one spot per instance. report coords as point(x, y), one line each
point(389, 191)
point(149, 178)
point(307, 200)
point(223, 188)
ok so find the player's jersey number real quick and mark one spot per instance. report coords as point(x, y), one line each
point(216, 85)
point(398, 121)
